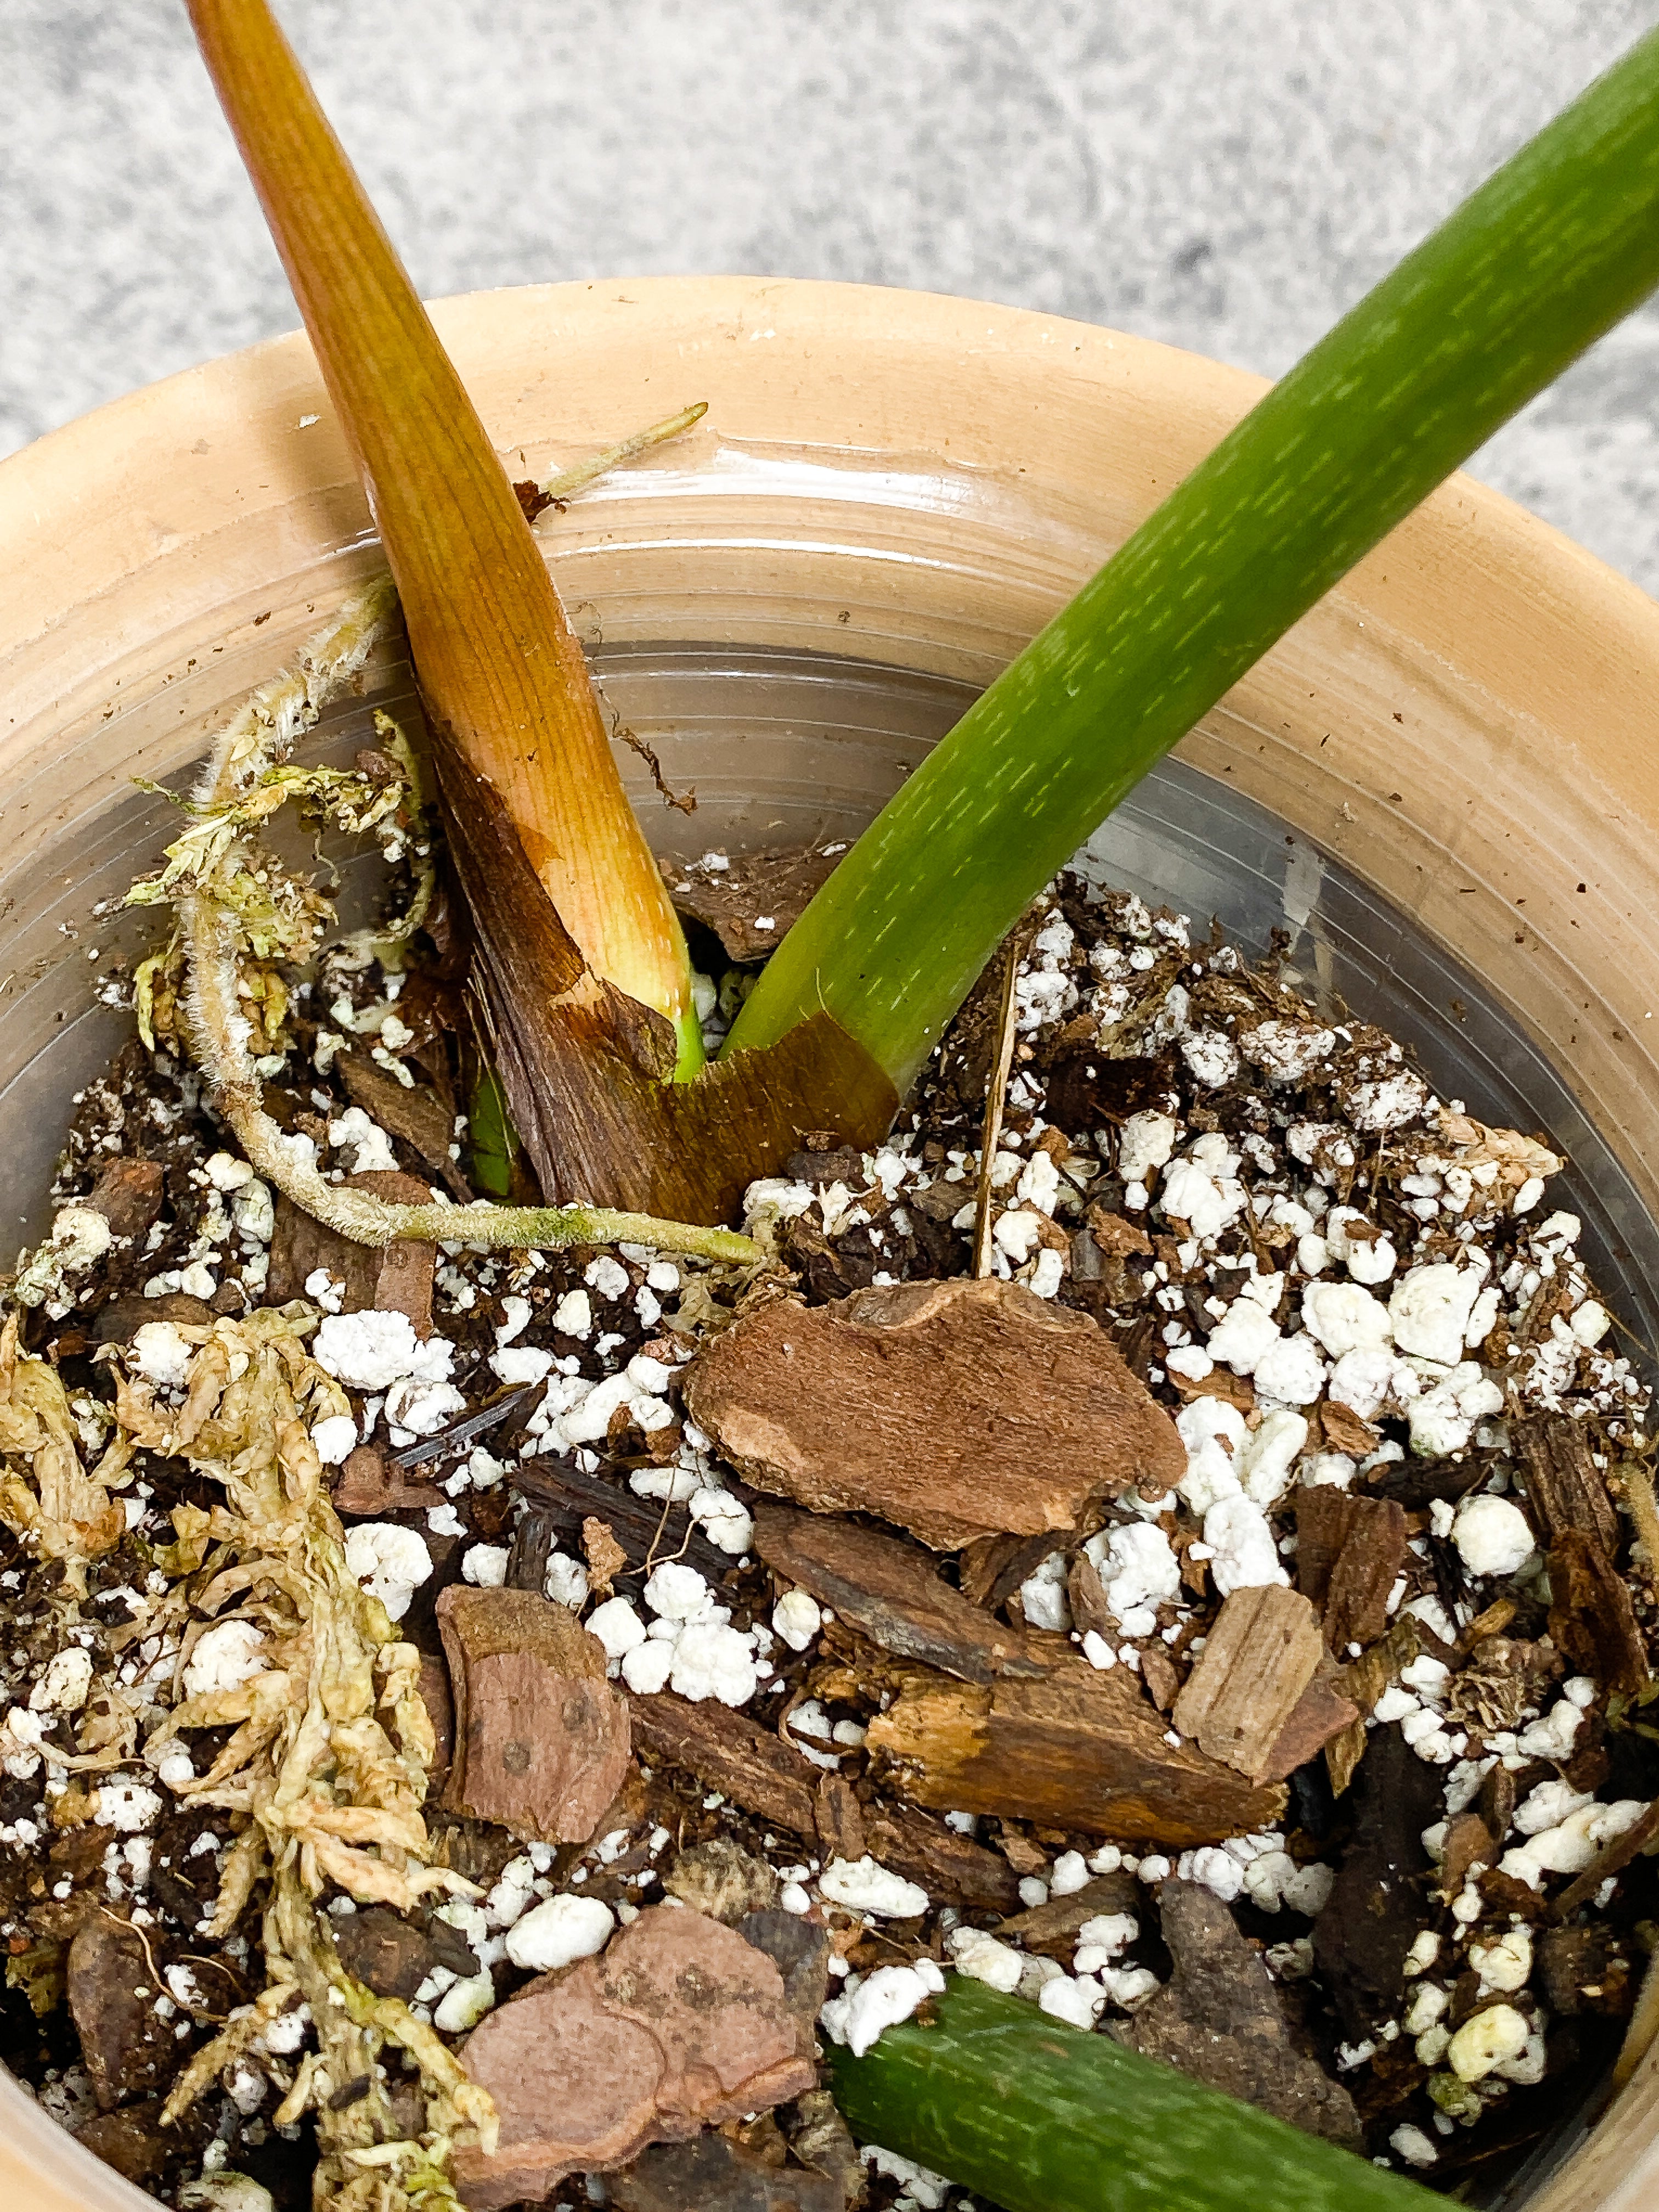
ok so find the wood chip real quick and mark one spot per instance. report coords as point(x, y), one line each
point(721, 1878)
point(1100, 1254)
point(1087, 1593)
point(561, 1500)
point(1565, 1487)
point(371, 1485)
point(984, 1564)
point(1496, 1800)
point(1612, 1858)
point(395, 1280)
point(728, 1753)
point(604, 1555)
point(840, 1821)
point(752, 887)
point(392, 1956)
point(1077, 1749)
point(890, 1591)
point(1158, 1672)
point(1236, 1390)
point(122, 1318)
point(1117, 1236)
point(1219, 2020)
point(541, 1736)
point(1363, 1682)
point(416, 1114)
point(1321, 1713)
point(1024, 1856)
point(1344, 1431)
point(1349, 1554)
point(1493, 1622)
point(1053, 1928)
point(112, 2000)
point(956, 1410)
point(1022, 1557)
point(1584, 1970)
point(1469, 1842)
point(128, 1193)
point(681, 2024)
point(1262, 1650)
point(1416, 1483)
point(1591, 1618)
point(440, 1711)
point(951, 1868)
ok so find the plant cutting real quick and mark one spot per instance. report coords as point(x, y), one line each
point(1465, 1149)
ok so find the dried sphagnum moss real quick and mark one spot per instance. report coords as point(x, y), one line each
point(244, 919)
point(246, 923)
point(46, 1495)
point(328, 1763)
point(332, 1744)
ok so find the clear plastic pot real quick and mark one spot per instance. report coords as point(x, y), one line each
point(1442, 785)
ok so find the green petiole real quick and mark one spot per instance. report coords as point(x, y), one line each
point(1549, 253)
point(1037, 2116)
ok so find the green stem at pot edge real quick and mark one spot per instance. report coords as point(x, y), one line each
point(1037, 2117)
point(1549, 253)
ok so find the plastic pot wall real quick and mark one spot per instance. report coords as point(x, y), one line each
point(1443, 783)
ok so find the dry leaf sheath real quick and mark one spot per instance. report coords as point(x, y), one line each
point(240, 911)
point(581, 965)
point(499, 666)
point(323, 1754)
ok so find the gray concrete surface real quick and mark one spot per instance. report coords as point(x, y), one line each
point(1227, 174)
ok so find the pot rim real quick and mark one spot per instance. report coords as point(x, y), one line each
point(200, 493)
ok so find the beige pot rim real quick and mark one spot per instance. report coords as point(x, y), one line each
point(1469, 723)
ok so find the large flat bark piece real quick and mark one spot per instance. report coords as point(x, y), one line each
point(956, 1410)
point(1075, 1750)
point(680, 2024)
point(541, 1736)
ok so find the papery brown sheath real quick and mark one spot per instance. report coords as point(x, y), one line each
point(589, 987)
point(498, 664)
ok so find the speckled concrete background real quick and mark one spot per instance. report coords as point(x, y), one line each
point(1227, 174)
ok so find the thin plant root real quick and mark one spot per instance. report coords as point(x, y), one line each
point(241, 915)
point(567, 483)
point(996, 1094)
